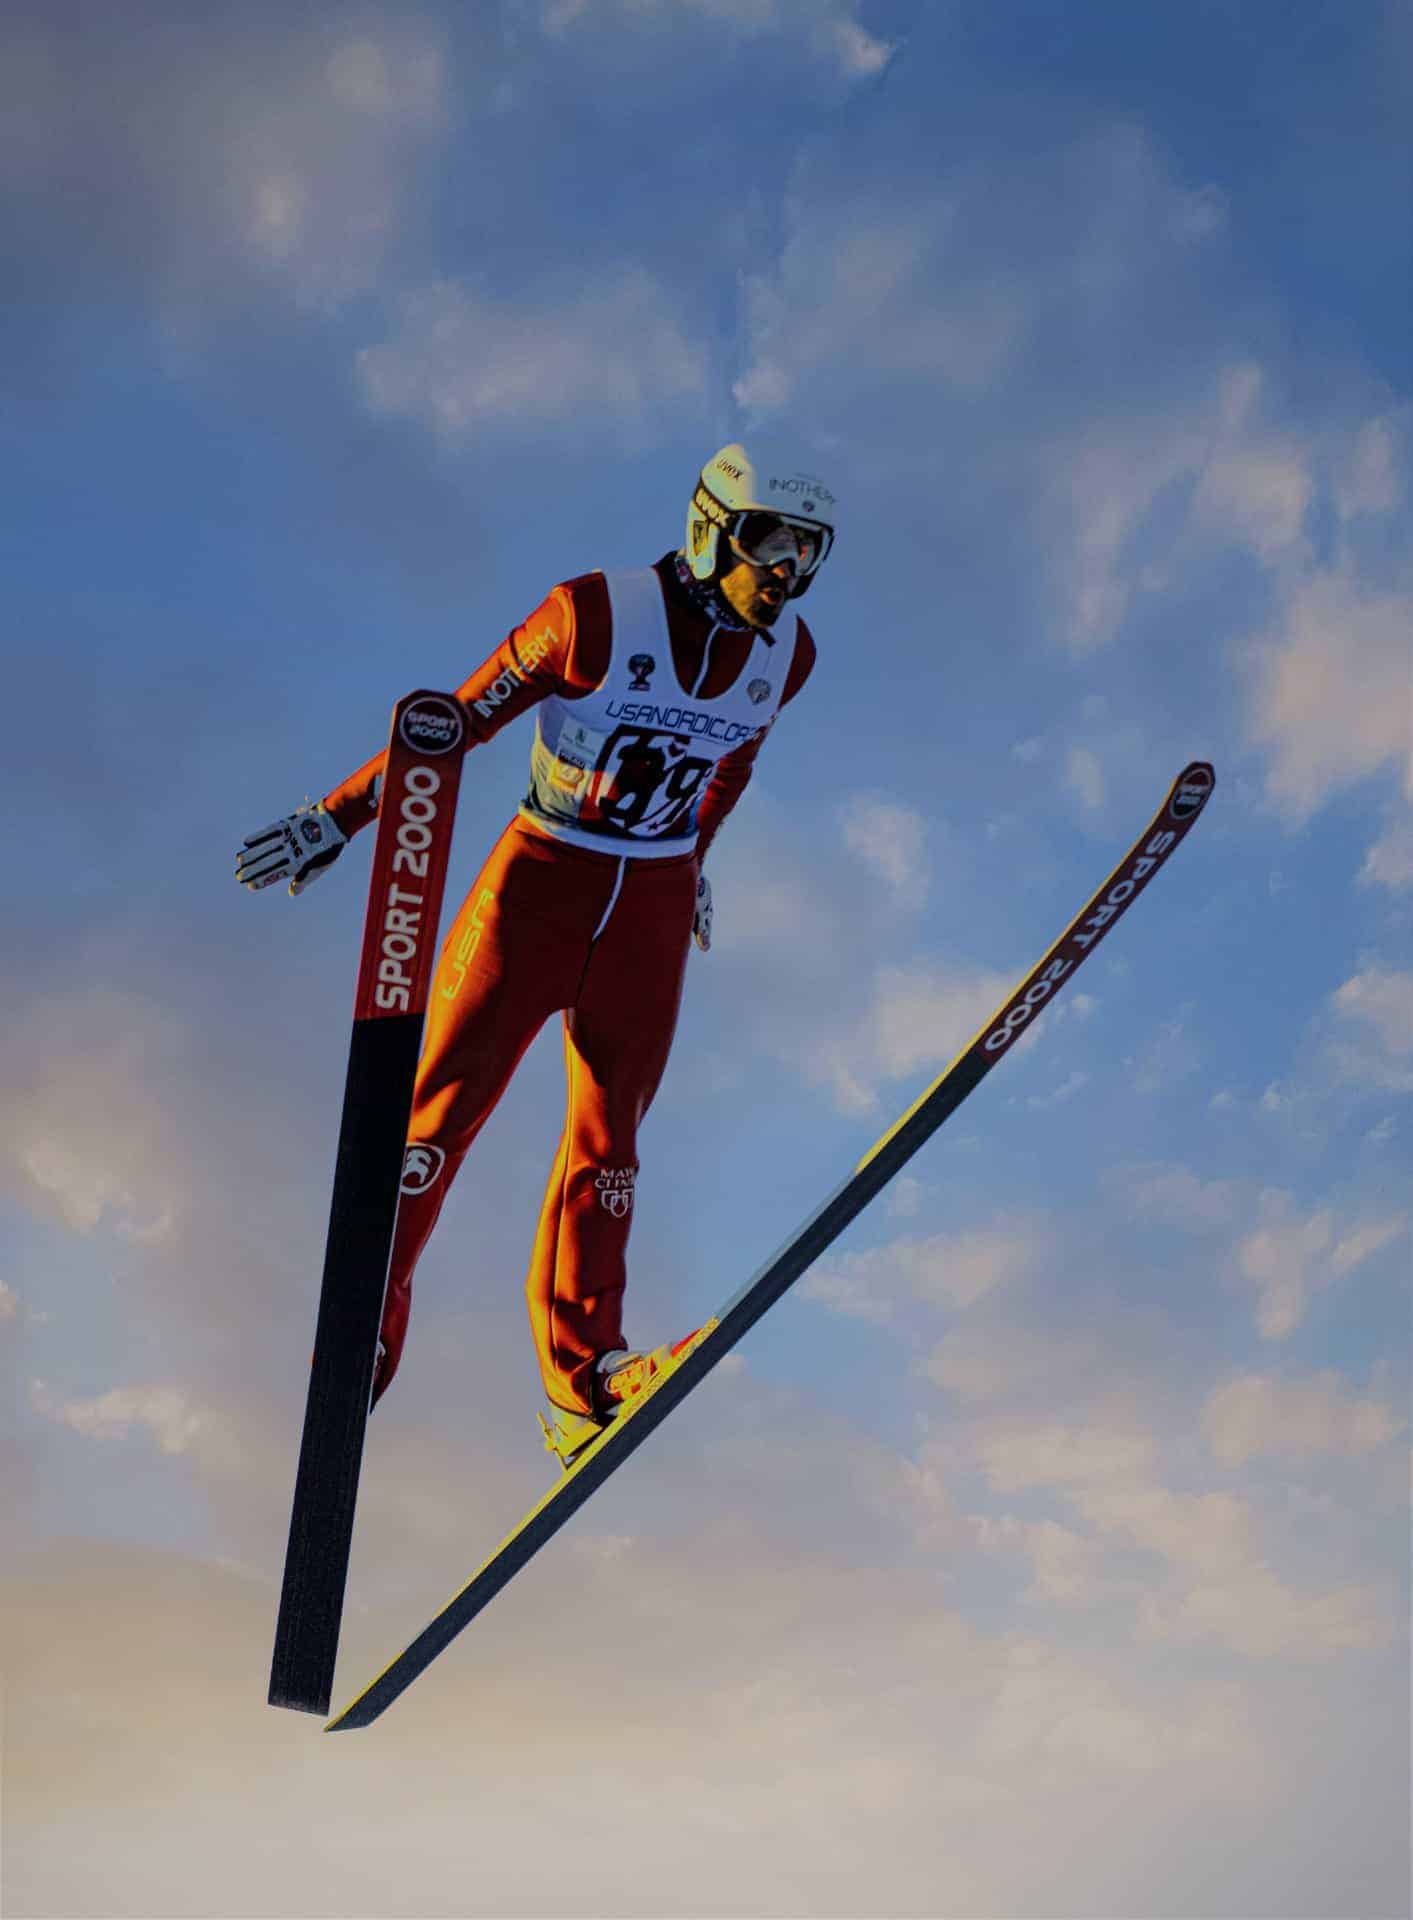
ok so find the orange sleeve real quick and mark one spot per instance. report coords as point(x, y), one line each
point(733, 770)
point(561, 648)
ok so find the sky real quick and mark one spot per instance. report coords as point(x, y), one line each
point(1045, 1552)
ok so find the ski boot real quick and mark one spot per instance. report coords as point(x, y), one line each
point(618, 1378)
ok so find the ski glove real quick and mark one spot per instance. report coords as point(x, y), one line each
point(701, 919)
point(298, 847)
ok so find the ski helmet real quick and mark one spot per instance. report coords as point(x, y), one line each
point(761, 506)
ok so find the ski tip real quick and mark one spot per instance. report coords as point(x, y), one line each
point(1191, 791)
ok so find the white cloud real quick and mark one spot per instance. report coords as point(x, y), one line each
point(9, 1302)
point(1200, 1533)
point(1012, 1364)
point(1085, 777)
point(861, 54)
point(1064, 1563)
point(620, 351)
point(1262, 495)
point(1331, 689)
point(1363, 1242)
point(317, 169)
point(1389, 862)
point(1290, 1255)
point(1102, 487)
point(763, 900)
point(270, 147)
point(1170, 1055)
point(891, 840)
point(1072, 1084)
point(860, 286)
point(917, 1019)
point(1247, 486)
point(1174, 1196)
point(389, 82)
point(83, 1130)
point(904, 1196)
point(832, 29)
point(1383, 1000)
point(88, 1194)
point(1255, 487)
point(1223, 1589)
point(923, 1015)
point(1298, 1420)
point(1257, 1615)
point(1371, 481)
point(1049, 1708)
point(1283, 1260)
point(945, 1270)
point(1051, 1417)
point(1105, 1449)
point(858, 1285)
point(167, 1413)
point(1199, 215)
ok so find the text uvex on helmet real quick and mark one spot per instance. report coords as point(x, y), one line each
point(760, 506)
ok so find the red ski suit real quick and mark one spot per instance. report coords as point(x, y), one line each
point(601, 937)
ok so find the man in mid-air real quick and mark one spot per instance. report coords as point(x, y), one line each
point(654, 691)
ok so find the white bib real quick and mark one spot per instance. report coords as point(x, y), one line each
point(624, 767)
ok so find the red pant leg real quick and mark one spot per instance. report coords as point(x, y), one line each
point(618, 1034)
point(514, 955)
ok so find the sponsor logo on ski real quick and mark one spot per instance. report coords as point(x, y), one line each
point(615, 1185)
point(1094, 924)
point(1107, 910)
point(433, 725)
point(400, 941)
point(1191, 794)
point(422, 1166)
point(1020, 1011)
point(759, 690)
point(642, 666)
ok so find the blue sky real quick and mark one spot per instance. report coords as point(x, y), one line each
point(1076, 1475)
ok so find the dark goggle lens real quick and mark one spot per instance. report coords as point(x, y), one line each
point(766, 539)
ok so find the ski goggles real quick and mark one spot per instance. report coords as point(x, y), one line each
point(765, 539)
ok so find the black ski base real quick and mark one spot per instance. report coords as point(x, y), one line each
point(382, 1063)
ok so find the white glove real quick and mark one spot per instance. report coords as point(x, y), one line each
point(701, 919)
point(299, 847)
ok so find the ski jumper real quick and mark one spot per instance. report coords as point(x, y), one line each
point(649, 717)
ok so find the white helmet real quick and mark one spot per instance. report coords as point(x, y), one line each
point(751, 500)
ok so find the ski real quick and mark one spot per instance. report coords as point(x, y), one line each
point(415, 816)
point(1184, 802)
